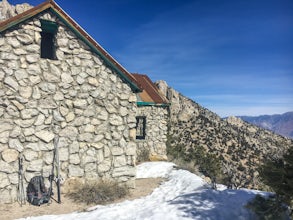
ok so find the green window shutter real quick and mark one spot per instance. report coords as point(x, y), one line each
point(49, 26)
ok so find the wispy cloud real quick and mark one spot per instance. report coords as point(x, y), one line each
point(234, 57)
point(229, 62)
point(225, 111)
point(233, 104)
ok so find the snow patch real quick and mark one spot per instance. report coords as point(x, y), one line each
point(154, 169)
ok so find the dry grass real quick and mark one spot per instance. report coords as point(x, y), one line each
point(143, 155)
point(183, 165)
point(99, 192)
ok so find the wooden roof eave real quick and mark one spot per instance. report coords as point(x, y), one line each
point(150, 94)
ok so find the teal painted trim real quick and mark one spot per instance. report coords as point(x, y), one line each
point(133, 86)
point(152, 104)
point(49, 26)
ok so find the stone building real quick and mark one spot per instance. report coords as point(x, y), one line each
point(152, 121)
point(56, 80)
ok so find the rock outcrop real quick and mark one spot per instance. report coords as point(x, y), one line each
point(240, 145)
point(7, 11)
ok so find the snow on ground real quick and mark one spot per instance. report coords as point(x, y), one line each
point(183, 196)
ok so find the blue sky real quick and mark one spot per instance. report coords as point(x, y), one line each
point(234, 57)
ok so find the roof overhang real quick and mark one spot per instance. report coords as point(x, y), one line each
point(151, 95)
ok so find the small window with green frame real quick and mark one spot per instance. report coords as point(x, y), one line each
point(140, 127)
point(48, 34)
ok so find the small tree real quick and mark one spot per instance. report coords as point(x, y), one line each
point(277, 173)
point(267, 208)
point(211, 167)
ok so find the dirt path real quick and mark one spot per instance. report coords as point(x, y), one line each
point(14, 211)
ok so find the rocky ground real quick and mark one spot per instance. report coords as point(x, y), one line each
point(14, 211)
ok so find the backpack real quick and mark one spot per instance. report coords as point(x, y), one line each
point(37, 193)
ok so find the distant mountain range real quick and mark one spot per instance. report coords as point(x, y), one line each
point(280, 123)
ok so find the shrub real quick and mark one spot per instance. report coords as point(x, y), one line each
point(183, 165)
point(277, 173)
point(99, 192)
point(143, 155)
point(211, 167)
point(207, 163)
point(270, 208)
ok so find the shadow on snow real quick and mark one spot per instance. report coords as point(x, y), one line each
point(212, 204)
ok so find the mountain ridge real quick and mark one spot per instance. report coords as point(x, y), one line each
point(241, 146)
point(279, 123)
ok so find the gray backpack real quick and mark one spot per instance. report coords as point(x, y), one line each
point(37, 193)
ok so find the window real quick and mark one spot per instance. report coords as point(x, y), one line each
point(49, 30)
point(47, 46)
point(140, 127)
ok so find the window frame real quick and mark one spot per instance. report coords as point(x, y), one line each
point(48, 39)
point(138, 120)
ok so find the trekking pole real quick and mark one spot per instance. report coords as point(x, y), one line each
point(51, 177)
point(57, 162)
point(21, 194)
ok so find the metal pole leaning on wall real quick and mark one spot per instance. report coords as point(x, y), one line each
point(55, 173)
point(57, 165)
point(20, 194)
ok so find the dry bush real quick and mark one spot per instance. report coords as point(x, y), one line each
point(183, 165)
point(99, 192)
point(143, 155)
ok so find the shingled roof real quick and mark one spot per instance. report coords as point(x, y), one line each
point(150, 94)
point(51, 6)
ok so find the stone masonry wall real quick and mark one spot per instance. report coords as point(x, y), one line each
point(156, 132)
point(76, 97)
